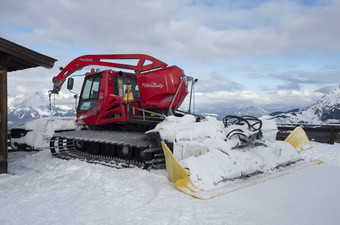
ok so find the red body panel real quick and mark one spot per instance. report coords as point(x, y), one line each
point(159, 87)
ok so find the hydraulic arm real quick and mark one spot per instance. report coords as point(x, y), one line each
point(145, 63)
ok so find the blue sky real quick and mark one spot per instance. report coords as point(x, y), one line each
point(264, 53)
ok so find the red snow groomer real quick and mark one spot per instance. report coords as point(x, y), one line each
point(116, 106)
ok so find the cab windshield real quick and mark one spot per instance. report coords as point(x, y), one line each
point(89, 94)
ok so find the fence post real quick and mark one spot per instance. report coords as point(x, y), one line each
point(332, 135)
point(3, 119)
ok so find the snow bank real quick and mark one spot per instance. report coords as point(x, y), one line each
point(211, 157)
point(269, 130)
point(191, 138)
point(41, 131)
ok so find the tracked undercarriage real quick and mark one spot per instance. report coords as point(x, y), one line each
point(118, 149)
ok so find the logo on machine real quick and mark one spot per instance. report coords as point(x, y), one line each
point(86, 59)
point(153, 85)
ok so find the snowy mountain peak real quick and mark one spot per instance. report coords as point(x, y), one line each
point(329, 100)
point(25, 107)
point(24, 112)
point(325, 110)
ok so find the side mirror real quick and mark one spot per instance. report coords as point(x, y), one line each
point(70, 82)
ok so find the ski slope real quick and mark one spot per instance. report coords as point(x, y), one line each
point(41, 189)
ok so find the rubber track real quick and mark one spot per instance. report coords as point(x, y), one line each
point(62, 146)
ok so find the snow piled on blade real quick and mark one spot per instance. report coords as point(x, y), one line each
point(204, 149)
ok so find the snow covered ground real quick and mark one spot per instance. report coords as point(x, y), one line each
point(41, 189)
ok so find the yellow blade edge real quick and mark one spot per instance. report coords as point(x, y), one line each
point(299, 140)
point(174, 168)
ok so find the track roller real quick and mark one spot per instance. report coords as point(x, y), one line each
point(125, 152)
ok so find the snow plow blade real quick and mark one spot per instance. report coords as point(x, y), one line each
point(299, 140)
point(181, 177)
point(188, 187)
point(174, 168)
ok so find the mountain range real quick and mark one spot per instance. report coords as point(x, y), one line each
point(26, 107)
point(221, 112)
point(324, 111)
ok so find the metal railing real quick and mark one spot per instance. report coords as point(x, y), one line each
point(324, 133)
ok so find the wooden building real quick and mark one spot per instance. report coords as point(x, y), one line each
point(14, 57)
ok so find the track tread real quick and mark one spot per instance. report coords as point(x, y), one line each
point(62, 146)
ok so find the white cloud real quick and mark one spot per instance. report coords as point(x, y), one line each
point(247, 98)
point(199, 38)
point(179, 28)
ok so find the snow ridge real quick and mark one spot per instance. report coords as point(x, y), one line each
point(324, 111)
point(25, 107)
